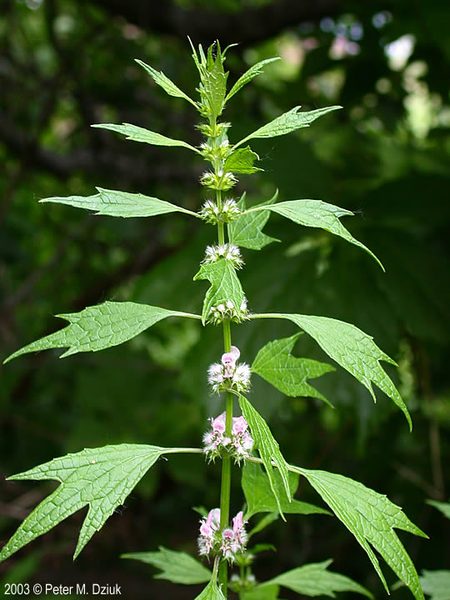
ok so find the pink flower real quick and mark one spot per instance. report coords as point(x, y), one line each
point(239, 425)
point(209, 526)
point(218, 424)
point(234, 539)
point(239, 444)
point(229, 374)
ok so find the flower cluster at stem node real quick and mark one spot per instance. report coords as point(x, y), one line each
point(238, 444)
point(228, 310)
point(221, 180)
point(212, 213)
point(229, 542)
point(227, 251)
point(229, 374)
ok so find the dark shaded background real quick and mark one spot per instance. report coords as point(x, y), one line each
point(65, 65)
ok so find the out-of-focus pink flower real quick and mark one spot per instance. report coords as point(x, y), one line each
point(342, 47)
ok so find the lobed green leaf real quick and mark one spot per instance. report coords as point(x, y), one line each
point(250, 74)
point(269, 452)
point(315, 580)
point(225, 285)
point(114, 203)
point(177, 567)
point(371, 517)
point(163, 81)
point(288, 122)
point(275, 363)
point(100, 478)
point(351, 348)
point(241, 161)
point(246, 231)
point(139, 134)
point(102, 326)
point(213, 79)
point(260, 498)
point(315, 213)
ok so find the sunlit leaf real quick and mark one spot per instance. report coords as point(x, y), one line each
point(120, 204)
point(250, 74)
point(163, 81)
point(288, 122)
point(139, 134)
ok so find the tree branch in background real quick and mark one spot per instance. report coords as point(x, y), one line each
point(204, 25)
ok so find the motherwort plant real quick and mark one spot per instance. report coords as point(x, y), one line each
point(101, 478)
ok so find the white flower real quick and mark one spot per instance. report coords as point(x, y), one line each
point(228, 311)
point(212, 213)
point(227, 251)
point(230, 210)
point(241, 377)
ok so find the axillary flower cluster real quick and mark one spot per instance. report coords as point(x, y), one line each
point(229, 375)
point(237, 443)
point(229, 542)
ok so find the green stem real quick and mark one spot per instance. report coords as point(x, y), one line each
point(225, 487)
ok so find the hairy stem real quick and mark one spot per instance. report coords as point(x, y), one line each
point(225, 486)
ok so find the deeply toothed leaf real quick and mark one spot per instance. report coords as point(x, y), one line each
point(100, 478)
point(102, 326)
point(371, 517)
point(250, 74)
point(163, 81)
point(287, 122)
point(315, 213)
point(275, 363)
point(140, 134)
point(351, 348)
point(120, 204)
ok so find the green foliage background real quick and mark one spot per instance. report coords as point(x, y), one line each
point(66, 65)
